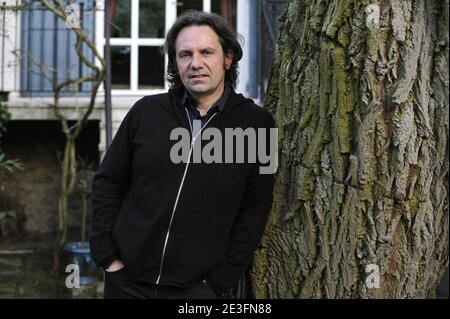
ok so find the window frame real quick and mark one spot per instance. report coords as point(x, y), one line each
point(134, 42)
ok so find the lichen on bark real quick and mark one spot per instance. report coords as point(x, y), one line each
point(359, 91)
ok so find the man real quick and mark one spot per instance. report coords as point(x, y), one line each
point(168, 229)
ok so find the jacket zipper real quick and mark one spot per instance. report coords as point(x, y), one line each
point(179, 190)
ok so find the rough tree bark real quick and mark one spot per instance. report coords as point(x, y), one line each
point(359, 90)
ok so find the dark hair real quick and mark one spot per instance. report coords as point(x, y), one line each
point(229, 40)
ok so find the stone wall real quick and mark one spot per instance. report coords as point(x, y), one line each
point(34, 192)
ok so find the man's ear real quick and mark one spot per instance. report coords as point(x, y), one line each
point(228, 59)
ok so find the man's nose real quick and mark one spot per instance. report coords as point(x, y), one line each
point(196, 62)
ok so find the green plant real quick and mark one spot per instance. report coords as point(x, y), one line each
point(8, 165)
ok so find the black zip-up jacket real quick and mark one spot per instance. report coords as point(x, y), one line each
point(221, 209)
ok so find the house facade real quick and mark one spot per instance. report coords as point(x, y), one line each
point(37, 50)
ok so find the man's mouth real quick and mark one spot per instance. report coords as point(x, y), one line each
point(198, 76)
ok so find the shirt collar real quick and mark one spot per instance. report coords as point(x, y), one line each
point(187, 101)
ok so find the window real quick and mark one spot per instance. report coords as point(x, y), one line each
point(120, 18)
point(151, 67)
point(138, 29)
point(120, 64)
point(48, 51)
point(151, 18)
point(188, 4)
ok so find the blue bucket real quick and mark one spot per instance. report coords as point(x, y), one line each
point(79, 254)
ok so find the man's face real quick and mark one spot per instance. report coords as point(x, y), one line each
point(201, 61)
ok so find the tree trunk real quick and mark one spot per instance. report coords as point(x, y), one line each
point(359, 90)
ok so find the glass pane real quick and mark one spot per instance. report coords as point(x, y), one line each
point(120, 67)
point(226, 9)
point(120, 18)
point(216, 6)
point(152, 18)
point(184, 5)
point(151, 68)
